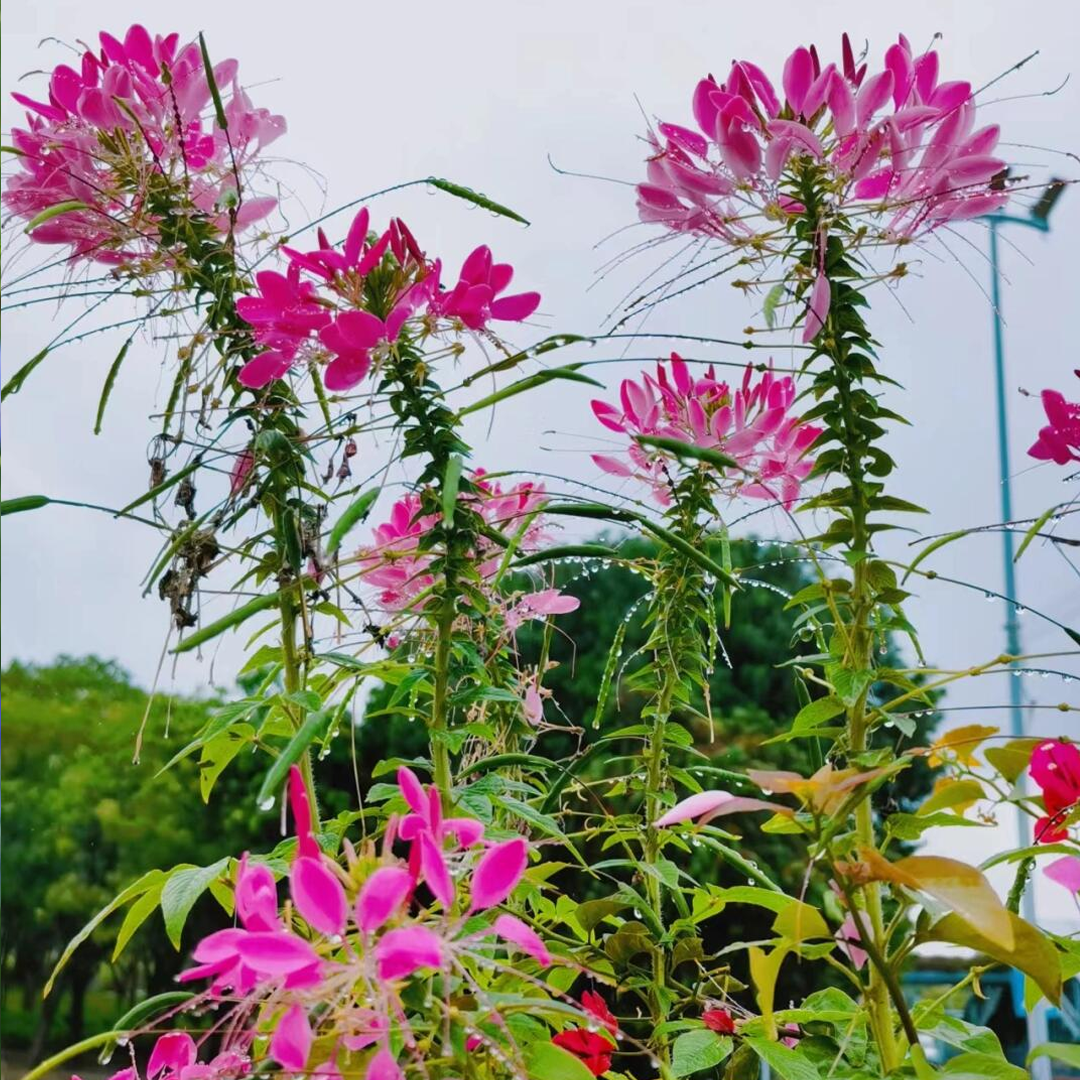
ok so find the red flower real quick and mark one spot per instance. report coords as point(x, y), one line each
point(593, 1050)
point(719, 1020)
point(1055, 767)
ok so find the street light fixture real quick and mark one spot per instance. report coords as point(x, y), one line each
point(1038, 218)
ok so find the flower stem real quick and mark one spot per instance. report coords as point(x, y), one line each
point(294, 682)
point(439, 723)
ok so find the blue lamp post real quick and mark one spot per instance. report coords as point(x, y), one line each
point(1038, 218)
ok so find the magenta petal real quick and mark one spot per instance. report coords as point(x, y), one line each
point(361, 329)
point(498, 872)
point(1065, 871)
point(382, 896)
point(436, 875)
point(515, 308)
point(174, 1051)
point(344, 372)
point(263, 369)
point(412, 791)
point(383, 1067)
point(612, 465)
point(401, 952)
point(301, 811)
point(818, 309)
point(524, 937)
point(318, 895)
point(256, 897)
point(467, 830)
point(275, 952)
point(798, 75)
point(291, 1042)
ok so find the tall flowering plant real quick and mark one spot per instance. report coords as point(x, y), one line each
point(434, 930)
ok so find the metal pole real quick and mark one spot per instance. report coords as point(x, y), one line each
point(1036, 1018)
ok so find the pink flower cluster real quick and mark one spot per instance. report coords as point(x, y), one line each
point(398, 559)
point(752, 424)
point(341, 980)
point(340, 314)
point(1059, 440)
point(1055, 770)
point(132, 123)
point(899, 142)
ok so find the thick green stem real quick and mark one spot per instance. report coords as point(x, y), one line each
point(293, 682)
point(440, 750)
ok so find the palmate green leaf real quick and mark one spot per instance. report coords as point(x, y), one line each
point(694, 1051)
point(184, 886)
point(143, 884)
point(459, 191)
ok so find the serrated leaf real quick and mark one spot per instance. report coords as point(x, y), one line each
point(785, 1063)
point(546, 1061)
point(694, 1051)
point(184, 886)
point(136, 915)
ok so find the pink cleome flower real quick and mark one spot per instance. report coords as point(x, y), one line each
point(136, 113)
point(898, 144)
point(1059, 440)
point(349, 318)
point(752, 425)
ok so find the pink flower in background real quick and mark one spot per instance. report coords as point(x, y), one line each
point(752, 425)
point(393, 561)
point(1059, 440)
point(895, 146)
point(155, 93)
point(848, 939)
point(291, 1042)
point(476, 300)
point(706, 805)
point(1065, 872)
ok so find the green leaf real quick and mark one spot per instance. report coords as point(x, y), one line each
point(178, 895)
point(568, 551)
point(459, 191)
point(1067, 1053)
point(211, 82)
point(817, 713)
point(911, 826)
point(110, 382)
point(694, 1051)
point(981, 1067)
point(161, 488)
point(23, 503)
point(1012, 758)
point(136, 1018)
point(930, 548)
point(451, 483)
point(234, 618)
point(55, 211)
point(546, 1061)
point(136, 915)
point(312, 727)
point(148, 881)
point(590, 913)
point(354, 514)
point(785, 1063)
point(1032, 952)
point(610, 667)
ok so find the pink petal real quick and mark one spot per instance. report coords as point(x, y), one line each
point(318, 895)
point(608, 415)
point(345, 372)
point(612, 465)
point(533, 706)
point(875, 92)
point(436, 875)
point(256, 897)
point(291, 1042)
point(694, 806)
point(1065, 871)
point(798, 75)
point(174, 1051)
point(848, 937)
point(275, 952)
point(524, 937)
point(382, 896)
point(263, 369)
point(412, 791)
point(498, 872)
point(818, 309)
point(401, 952)
point(515, 308)
point(467, 830)
point(301, 811)
point(383, 1067)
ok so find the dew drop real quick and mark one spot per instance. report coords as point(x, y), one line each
point(267, 803)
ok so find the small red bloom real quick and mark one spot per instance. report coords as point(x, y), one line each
point(719, 1020)
point(593, 1050)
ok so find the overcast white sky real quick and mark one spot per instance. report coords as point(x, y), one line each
point(482, 93)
